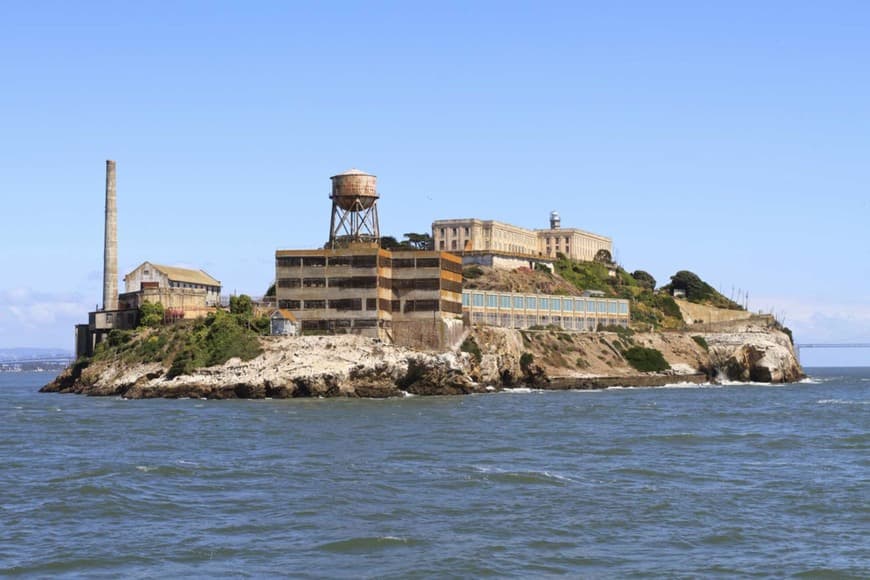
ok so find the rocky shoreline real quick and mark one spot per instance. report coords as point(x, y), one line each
point(352, 366)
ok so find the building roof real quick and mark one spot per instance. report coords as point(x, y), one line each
point(353, 171)
point(186, 275)
point(285, 314)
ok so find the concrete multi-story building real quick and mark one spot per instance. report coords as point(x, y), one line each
point(513, 310)
point(471, 236)
point(412, 298)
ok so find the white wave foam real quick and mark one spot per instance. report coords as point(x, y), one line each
point(841, 402)
point(145, 468)
point(671, 386)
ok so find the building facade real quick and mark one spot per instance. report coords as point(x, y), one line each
point(512, 310)
point(474, 236)
point(411, 298)
point(150, 276)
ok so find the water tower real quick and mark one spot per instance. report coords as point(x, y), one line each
point(354, 210)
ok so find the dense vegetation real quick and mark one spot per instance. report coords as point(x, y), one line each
point(698, 291)
point(186, 345)
point(645, 359)
point(649, 309)
point(412, 241)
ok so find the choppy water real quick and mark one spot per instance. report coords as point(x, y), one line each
point(735, 480)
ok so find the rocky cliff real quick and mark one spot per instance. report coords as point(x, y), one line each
point(352, 366)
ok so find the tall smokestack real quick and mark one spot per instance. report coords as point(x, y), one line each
point(110, 248)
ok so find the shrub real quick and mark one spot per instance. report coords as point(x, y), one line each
point(470, 346)
point(151, 314)
point(646, 359)
point(472, 272)
point(118, 337)
point(667, 305)
point(622, 331)
point(702, 342)
point(526, 361)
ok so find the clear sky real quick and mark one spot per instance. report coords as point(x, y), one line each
point(727, 138)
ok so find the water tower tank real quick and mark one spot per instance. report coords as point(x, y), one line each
point(354, 190)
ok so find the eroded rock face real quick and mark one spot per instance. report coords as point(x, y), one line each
point(352, 366)
point(756, 354)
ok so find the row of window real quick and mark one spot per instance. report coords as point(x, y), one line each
point(356, 304)
point(331, 325)
point(365, 261)
point(371, 282)
point(193, 286)
point(531, 320)
point(552, 303)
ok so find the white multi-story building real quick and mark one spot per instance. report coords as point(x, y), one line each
point(514, 310)
point(471, 235)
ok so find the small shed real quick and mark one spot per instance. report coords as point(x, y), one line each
point(283, 323)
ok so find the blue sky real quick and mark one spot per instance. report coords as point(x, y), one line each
point(731, 139)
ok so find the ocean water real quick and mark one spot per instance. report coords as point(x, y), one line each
point(680, 482)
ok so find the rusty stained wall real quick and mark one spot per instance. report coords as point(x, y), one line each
point(311, 283)
point(193, 301)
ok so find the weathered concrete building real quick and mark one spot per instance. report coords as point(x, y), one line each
point(409, 297)
point(413, 298)
point(194, 292)
point(511, 246)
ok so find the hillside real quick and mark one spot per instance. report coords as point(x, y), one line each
point(651, 308)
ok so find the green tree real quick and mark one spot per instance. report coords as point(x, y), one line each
point(390, 243)
point(644, 278)
point(151, 314)
point(270, 293)
point(603, 256)
point(241, 305)
point(690, 283)
point(418, 241)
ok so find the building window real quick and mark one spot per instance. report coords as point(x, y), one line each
point(453, 245)
point(491, 301)
point(441, 244)
point(518, 302)
point(467, 231)
point(455, 231)
point(531, 303)
point(442, 232)
point(504, 301)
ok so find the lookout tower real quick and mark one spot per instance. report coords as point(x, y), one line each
point(354, 210)
point(555, 220)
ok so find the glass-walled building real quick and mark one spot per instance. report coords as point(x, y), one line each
point(513, 310)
